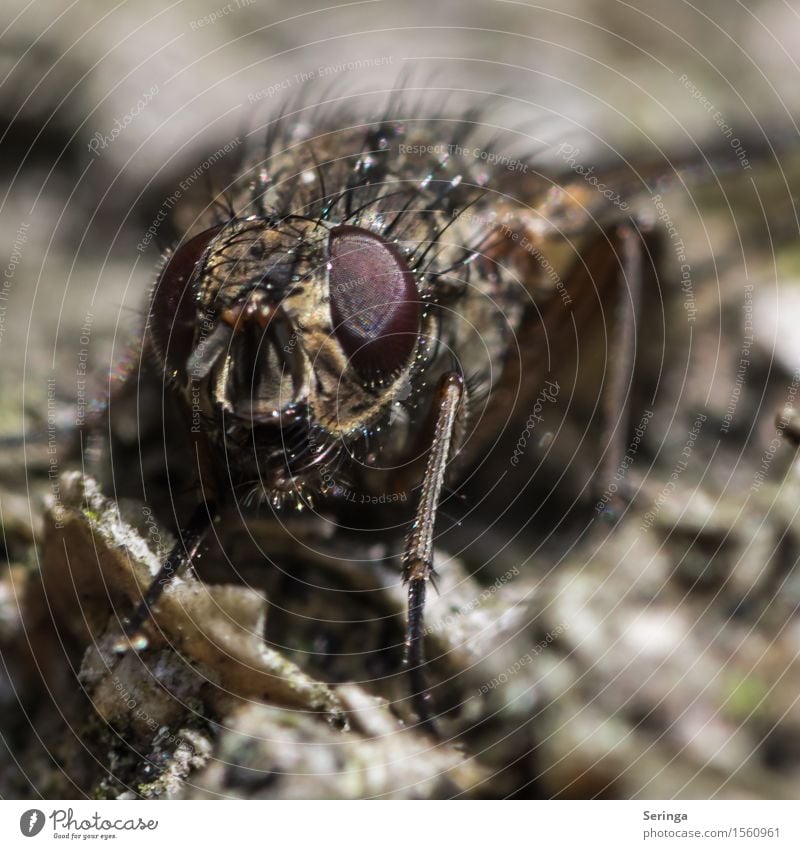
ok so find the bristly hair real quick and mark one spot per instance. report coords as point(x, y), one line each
point(300, 124)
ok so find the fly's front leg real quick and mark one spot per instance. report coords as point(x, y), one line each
point(616, 396)
point(178, 560)
point(418, 553)
point(190, 538)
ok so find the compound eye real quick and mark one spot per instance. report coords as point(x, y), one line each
point(172, 316)
point(375, 306)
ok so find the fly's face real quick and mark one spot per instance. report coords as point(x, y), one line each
point(281, 330)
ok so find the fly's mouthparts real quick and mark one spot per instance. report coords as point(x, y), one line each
point(251, 362)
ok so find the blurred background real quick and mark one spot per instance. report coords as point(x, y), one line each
point(677, 674)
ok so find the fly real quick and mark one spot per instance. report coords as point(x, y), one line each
point(369, 310)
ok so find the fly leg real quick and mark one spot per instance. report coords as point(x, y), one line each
point(418, 552)
point(616, 396)
point(178, 560)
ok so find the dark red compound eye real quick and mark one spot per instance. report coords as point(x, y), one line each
point(374, 302)
point(172, 317)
